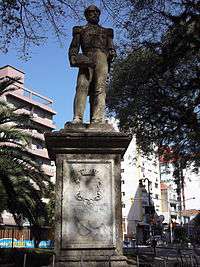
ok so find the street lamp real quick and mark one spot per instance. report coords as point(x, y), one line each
point(148, 209)
point(189, 199)
point(148, 186)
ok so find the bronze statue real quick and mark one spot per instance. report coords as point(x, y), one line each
point(98, 52)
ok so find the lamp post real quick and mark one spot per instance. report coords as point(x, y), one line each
point(148, 187)
point(149, 210)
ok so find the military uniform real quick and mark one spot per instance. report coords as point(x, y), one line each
point(96, 43)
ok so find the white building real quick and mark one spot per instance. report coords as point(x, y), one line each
point(169, 203)
point(192, 188)
point(174, 206)
point(140, 189)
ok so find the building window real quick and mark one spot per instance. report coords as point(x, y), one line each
point(39, 146)
point(123, 193)
point(122, 170)
point(150, 186)
point(123, 205)
point(123, 182)
point(142, 169)
point(156, 196)
point(156, 185)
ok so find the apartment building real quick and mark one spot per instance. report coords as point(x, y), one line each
point(40, 108)
point(169, 203)
point(141, 194)
point(175, 205)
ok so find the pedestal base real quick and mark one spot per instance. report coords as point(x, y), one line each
point(88, 217)
point(114, 261)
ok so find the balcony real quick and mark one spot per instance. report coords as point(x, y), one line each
point(173, 201)
point(42, 121)
point(49, 170)
point(173, 212)
point(33, 98)
point(40, 152)
point(37, 119)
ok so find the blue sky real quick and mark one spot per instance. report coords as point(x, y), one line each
point(48, 73)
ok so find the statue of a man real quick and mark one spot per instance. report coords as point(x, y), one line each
point(98, 51)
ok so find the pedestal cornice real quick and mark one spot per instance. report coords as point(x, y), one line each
point(92, 142)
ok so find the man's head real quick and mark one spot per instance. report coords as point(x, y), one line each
point(92, 14)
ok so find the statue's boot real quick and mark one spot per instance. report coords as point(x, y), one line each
point(77, 120)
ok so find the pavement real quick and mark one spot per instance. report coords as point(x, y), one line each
point(166, 255)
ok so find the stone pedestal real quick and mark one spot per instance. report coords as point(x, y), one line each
point(88, 195)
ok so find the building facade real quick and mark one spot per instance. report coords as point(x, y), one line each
point(169, 203)
point(141, 194)
point(178, 198)
point(41, 111)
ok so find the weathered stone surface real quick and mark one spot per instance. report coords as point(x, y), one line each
point(84, 127)
point(95, 262)
point(88, 196)
point(88, 203)
point(80, 140)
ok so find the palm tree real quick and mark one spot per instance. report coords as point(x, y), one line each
point(22, 182)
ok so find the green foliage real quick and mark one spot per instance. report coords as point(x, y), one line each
point(154, 89)
point(22, 182)
point(27, 23)
point(180, 235)
point(51, 208)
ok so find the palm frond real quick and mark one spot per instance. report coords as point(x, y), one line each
point(22, 180)
point(7, 85)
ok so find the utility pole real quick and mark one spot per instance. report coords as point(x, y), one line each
point(182, 184)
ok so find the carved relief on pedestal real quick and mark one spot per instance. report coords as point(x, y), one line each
point(89, 187)
point(87, 192)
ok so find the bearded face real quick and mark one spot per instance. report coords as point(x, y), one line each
point(92, 15)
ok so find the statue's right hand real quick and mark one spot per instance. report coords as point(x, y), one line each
point(73, 61)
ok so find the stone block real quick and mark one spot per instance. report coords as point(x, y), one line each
point(88, 196)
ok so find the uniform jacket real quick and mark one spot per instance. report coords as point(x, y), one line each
point(89, 38)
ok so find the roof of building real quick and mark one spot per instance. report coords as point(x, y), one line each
point(163, 186)
point(191, 212)
point(3, 67)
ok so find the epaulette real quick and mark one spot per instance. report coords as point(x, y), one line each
point(76, 30)
point(110, 32)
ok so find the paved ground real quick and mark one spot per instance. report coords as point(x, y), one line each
point(166, 256)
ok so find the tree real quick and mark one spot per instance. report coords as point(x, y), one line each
point(22, 182)
point(155, 89)
point(26, 23)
